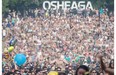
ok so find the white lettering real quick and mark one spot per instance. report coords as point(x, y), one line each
point(53, 5)
point(74, 5)
point(81, 5)
point(67, 4)
point(60, 5)
point(44, 5)
point(89, 5)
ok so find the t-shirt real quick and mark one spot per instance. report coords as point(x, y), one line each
point(13, 20)
point(4, 32)
point(8, 25)
point(39, 42)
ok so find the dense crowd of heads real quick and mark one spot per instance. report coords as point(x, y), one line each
point(60, 41)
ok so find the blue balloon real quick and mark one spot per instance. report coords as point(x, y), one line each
point(19, 59)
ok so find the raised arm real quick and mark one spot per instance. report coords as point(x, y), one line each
point(104, 68)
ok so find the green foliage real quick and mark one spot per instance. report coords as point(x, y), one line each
point(5, 6)
point(21, 5)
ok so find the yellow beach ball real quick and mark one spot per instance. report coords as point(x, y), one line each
point(10, 49)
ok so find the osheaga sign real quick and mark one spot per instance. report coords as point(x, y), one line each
point(67, 4)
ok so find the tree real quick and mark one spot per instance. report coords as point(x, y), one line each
point(5, 6)
point(22, 5)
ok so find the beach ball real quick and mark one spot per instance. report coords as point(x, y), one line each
point(19, 59)
point(11, 48)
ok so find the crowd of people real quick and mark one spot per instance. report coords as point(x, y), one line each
point(57, 41)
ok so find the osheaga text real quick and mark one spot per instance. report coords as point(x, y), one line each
point(67, 5)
